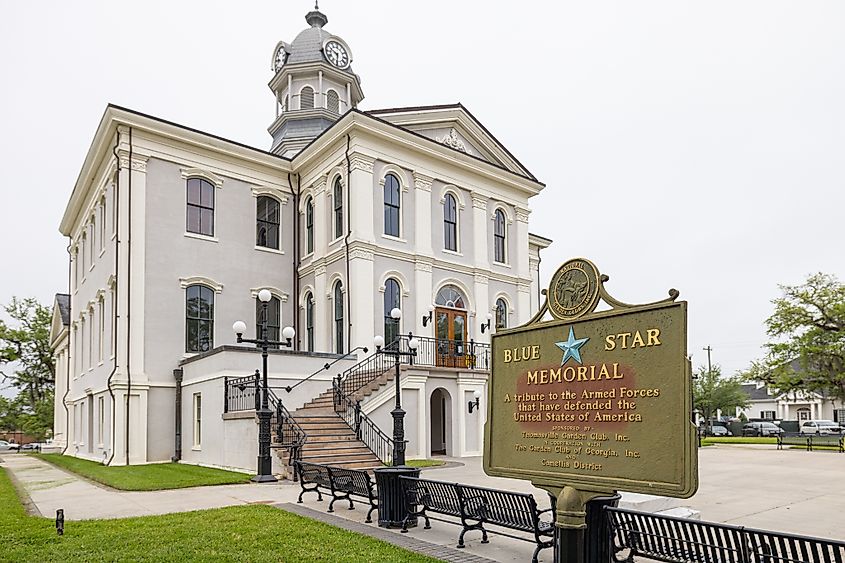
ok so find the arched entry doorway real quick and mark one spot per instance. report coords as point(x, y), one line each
point(440, 417)
point(450, 327)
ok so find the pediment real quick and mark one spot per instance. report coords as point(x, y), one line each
point(455, 127)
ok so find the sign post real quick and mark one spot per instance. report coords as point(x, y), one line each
point(592, 402)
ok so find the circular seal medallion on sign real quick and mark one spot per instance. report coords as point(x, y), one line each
point(574, 290)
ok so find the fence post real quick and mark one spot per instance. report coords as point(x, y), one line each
point(358, 419)
point(226, 394)
point(257, 391)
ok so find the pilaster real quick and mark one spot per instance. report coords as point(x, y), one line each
point(362, 282)
point(360, 198)
point(480, 230)
point(422, 215)
point(424, 297)
point(520, 261)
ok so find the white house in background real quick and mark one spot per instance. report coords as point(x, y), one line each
point(173, 231)
point(769, 404)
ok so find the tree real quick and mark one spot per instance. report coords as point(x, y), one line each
point(807, 352)
point(712, 393)
point(27, 362)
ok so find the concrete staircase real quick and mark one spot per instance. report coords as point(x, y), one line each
point(330, 440)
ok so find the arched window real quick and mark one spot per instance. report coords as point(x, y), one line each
point(391, 205)
point(274, 318)
point(338, 208)
point(391, 300)
point(309, 226)
point(200, 207)
point(338, 317)
point(309, 321)
point(501, 314)
point(306, 98)
point(199, 318)
point(450, 223)
point(499, 237)
point(333, 102)
point(267, 222)
point(450, 296)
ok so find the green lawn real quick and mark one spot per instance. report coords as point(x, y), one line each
point(739, 440)
point(424, 463)
point(146, 477)
point(255, 533)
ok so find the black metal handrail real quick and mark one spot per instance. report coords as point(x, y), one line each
point(365, 429)
point(431, 352)
point(241, 393)
point(289, 434)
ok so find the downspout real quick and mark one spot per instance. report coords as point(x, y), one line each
point(296, 258)
point(128, 295)
point(177, 375)
point(67, 368)
point(346, 243)
point(115, 301)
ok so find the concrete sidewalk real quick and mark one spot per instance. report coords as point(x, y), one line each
point(51, 488)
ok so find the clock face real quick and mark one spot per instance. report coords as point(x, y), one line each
point(336, 54)
point(281, 57)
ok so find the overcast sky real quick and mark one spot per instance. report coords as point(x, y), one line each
point(699, 146)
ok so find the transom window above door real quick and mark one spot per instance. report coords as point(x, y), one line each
point(450, 296)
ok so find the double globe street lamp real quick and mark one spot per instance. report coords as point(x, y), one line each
point(398, 413)
point(265, 463)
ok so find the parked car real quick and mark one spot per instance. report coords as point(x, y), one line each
point(33, 447)
point(821, 427)
point(4, 446)
point(761, 429)
point(719, 431)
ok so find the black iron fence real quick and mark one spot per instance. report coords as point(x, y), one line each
point(289, 434)
point(365, 429)
point(431, 352)
point(666, 538)
point(241, 393)
point(810, 441)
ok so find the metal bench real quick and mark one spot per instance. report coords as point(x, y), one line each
point(339, 482)
point(477, 507)
point(679, 540)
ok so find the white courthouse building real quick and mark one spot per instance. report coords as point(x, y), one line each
point(172, 233)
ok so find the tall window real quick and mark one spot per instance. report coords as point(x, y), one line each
point(338, 317)
point(90, 337)
point(450, 223)
point(499, 237)
point(101, 328)
point(82, 252)
point(102, 236)
point(200, 207)
point(338, 208)
point(309, 321)
point(501, 314)
point(197, 420)
point(199, 318)
point(274, 318)
point(101, 419)
point(391, 205)
point(267, 222)
point(309, 226)
point(391, 300)
point(306, 98)
point(333, 102)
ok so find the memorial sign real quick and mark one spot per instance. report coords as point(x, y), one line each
point(593, 402)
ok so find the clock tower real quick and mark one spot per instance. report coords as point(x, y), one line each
point(313, 85)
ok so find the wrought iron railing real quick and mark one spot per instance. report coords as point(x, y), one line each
point(289, 434)
point(241, 393)
point(244, 394)
point(365, 429)
point(431, 352)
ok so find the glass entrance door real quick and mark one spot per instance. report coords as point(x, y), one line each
point(451, 332)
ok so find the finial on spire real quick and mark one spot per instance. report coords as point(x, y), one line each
point(316, 18)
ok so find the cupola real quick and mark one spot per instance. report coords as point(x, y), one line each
point(313, 85)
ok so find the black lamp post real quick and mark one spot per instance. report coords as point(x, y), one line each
point(398, 413)
point(265, 463)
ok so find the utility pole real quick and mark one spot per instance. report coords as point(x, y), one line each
point(708, 349)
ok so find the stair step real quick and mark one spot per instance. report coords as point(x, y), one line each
point(352, 448)
point(339, 458)
point(330, 438)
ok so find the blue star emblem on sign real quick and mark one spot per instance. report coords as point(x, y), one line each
point(571, 347)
